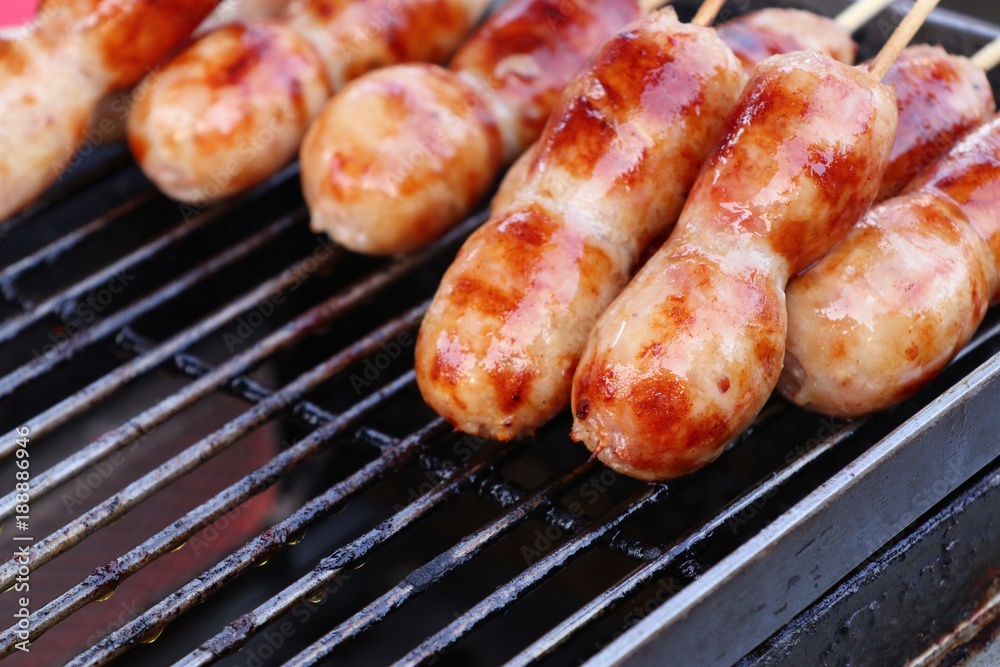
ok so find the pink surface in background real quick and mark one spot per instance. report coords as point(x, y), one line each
point(13, 12)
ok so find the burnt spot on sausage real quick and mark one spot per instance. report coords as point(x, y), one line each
point(579, 139)
point(511, 387)
point(660, 402)
point(723, 385)
point(582, 412)
point(12, 57)
point(485, 296)
point(234, 66)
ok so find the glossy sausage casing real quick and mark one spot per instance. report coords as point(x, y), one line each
point(356, 36)
point(498, 346)
point(215, 120)
point(419, 113)
point(752, 38)
point(690, 351)
point(234, 106)
point(53, 74)
point(892, 304)
point(940, 97)
point(511, 72)
point(769, 32)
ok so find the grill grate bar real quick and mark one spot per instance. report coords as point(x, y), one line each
point(66, 349)
point(209, 379)
point(687, 547)
point(432, 572)
point(238, 633)
point(153, 357)
point(65, 243)
point(263, 547)
point(510, 592)
point(63, 301)
point(242, 387)
point(106, 578)
point(120, 503)
point(109, 384)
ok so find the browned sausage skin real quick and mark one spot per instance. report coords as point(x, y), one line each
point(233, 107)
point(752, 38)
point(940, 97)
point(53, 74)
point(497, 349)
point(689, 352)
point(903, 292)
point(511, 72)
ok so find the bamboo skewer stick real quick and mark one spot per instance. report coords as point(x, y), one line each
point(860, 13)
point(988, 57)
point(650, 6)
point(707, 12)
point(901, 37)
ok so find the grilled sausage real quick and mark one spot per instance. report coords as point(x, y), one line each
point(508, 77)
point(769, 32)
point(237, 10)
point(497, 348)
point(53, 75)
point(940, 98)
point(232, 108)
point(689, 352)
point(892, 304)
point(752, 38)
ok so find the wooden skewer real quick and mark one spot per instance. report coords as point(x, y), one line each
point(988, 57)
point(860, 13)
point(707, 12)
point(901, 37)
point(650, 6)
point(851, 18)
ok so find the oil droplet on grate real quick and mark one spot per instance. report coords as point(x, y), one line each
point(296, 537)
point(179, 546)
point(107, 596)
point(153, 634)
point(317, 597)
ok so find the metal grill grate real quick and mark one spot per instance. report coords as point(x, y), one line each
point(525, 552)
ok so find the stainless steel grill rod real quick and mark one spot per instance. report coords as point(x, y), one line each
point(108, 577)
point(58, 302)
point(510, 592)
point(65, 350)
point(120, 503)
point(237, 633)
point(432, 572)
point(50, 253)
point(643, 575)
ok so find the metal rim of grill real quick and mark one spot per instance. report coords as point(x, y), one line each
point(775, 491)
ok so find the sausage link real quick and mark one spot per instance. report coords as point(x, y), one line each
point(891, 305)
point(52, 76)
point(689, 352)
point(419, 113)
point(353, 37)
point(940, 98)
point(227, 111)
point(769, 32)
point(233, 107)
point(515, 67)
point(497, 348)
point(230, 12)
point(752, 38)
